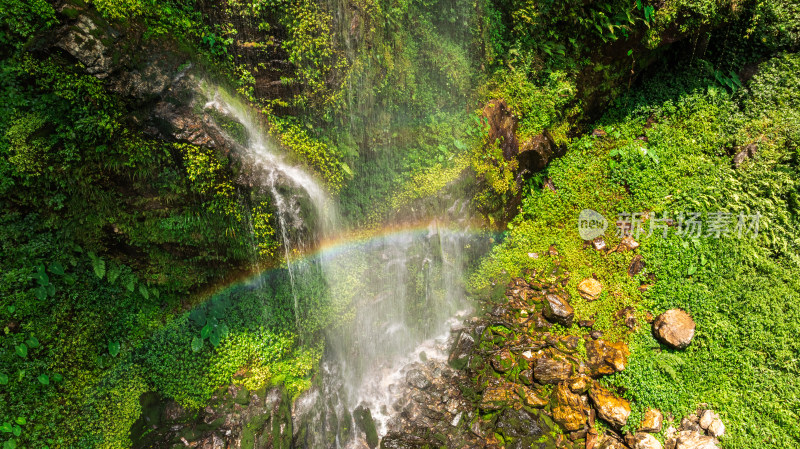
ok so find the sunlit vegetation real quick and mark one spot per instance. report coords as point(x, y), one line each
point(114, 243)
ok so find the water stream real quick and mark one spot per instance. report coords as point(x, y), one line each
point(395, 291)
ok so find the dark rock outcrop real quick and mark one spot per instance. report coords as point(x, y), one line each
point(558, 310)
point(502, 127)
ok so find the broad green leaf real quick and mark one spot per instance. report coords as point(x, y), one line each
point(99, 266)
point(32, 342)
point(113, 348)
point(198, 316)
point(6, 427)
point(113, 273)
point(10, 444)
point(692, 270)
point(154, 292)
point(206, 331)
point(3, 379)
point(11, 309)
point(214, 338)
point(51, 289)
point(41, 274)
point(223, 331)
point(41, 293)
point(130, 283)
point(57, 378)
point(22, 350)
point(43, 379)
point(17, 431)
point(57, 268)
point(197, 344)
point(143, 291)
point(21, 420)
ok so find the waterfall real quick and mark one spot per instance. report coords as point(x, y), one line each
point(393, 293)
point(287, 184)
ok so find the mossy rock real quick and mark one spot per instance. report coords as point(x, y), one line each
point(363, 418)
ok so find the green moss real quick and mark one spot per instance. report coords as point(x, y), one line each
point(729, 285)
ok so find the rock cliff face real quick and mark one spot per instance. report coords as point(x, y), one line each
point(235, 418)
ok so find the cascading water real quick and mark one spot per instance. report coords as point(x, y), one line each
point(394, 293)
point(287, 184)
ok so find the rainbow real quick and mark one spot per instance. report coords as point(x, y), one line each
point(332, 248)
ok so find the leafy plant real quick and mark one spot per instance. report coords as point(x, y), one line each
point(113, 348)
point(45, 287)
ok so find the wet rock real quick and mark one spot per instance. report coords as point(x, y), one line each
point(530, 397)
point(558, 310)
point(549, 370)
point(604, 357)
point(609, 441)
point(536, 152)
point(652, 422)
point(611, 408)
point(570, 343)
point(580, 384)
point(628, 317)
point(689, 439)
point(590, 289)
point(586, 323)
point(363, 418)
point(645, 441)
point(498, 394)
point(636, 266)
point(398, 441)
point(674, 328)
point(627, 244)
point(503, 361)
point(418, 379)
point(520, 428)
point(569, 410)
point(84, 41)
point(578, 434)
point(599, 133)
point(599, 244)
point(540, 323)
point(499, 311)
point(462, 349)
point(502, 127)
point(596, 335)
point(747, 152)
point(149, 82)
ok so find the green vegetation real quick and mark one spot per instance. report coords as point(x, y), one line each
point(741, 291)
point(114, 241)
